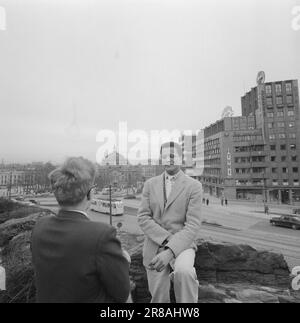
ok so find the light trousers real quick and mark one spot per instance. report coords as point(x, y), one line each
point(184, 278)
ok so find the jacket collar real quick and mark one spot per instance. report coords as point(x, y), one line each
point(176, 190)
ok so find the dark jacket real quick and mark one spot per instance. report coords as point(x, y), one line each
point(77, 260)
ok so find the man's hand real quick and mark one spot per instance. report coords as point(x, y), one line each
point(161, 261)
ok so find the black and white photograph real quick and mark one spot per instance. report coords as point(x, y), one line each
point(149, 154)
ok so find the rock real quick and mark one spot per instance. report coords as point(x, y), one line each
point(13, 227)
point(283, 299)
point(211, 292)
point(231, 301)
point(19, 270)
point(256, 296)
point(227, 263)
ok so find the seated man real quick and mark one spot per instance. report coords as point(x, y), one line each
point(170, 217)
point(75, 259)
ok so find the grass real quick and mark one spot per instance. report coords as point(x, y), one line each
point(13, 210)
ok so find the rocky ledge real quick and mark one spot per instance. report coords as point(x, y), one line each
point(227, 273)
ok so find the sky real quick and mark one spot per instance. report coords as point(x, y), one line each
point(72, 68)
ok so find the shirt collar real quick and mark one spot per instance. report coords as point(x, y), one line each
point(171, 177)
point(78, 211)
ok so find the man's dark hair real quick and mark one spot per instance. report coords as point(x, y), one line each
point(171, 144)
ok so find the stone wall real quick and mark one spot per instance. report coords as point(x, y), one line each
point(229, 273)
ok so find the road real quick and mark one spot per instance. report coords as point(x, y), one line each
point(237, 223)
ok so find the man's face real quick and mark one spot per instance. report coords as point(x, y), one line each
point(171, 159)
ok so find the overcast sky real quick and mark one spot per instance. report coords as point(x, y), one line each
point(155, 64)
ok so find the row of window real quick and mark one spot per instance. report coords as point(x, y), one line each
point(279, 100)
point(275, 182)
point(253, 159)
point(247, 138)
point(285, 182)
point(254, 170)
point(283, 147)
point(278, 88)
point(242, 149)
point(283, 158)
point(282, 136)
point(280, 113)
point(285, 170)
point(272, 125)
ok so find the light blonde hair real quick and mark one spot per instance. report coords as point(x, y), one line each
point(73, 180)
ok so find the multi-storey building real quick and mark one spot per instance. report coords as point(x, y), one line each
point(278, 115)
point(256, 156)
point(234, 159)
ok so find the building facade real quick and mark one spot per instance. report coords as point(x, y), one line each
point(256, 156)
point(280, 123)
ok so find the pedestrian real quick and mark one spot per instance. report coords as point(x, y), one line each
point(266, 209)
point(222, 202)
point(226, 202)
point(207, 202)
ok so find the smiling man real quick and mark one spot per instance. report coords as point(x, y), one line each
point(170, 217)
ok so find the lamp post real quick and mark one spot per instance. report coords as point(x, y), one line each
point(110, 208)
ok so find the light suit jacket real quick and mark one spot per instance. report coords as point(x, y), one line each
point(179, 220)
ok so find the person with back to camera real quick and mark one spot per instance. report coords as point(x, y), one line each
point(75, 259)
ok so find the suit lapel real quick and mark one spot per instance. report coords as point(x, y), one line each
point(159, 191)
point(177, 188)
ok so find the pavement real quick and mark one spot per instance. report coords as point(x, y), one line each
point(241, 223)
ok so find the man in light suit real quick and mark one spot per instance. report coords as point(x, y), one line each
point(170, 217)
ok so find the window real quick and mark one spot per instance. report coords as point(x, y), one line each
point(278, 88)
point(291, 124)
point(294, 158)
point(292, 135)
point(289, 99)
point(288, 87)
point(295, 169)
point(273, 158)
point(269, 102)
point(273, 147)
point(282, 147)
point(270, 115)
point(280, 124)
point(296, 182)
point(271, 125)
point(283, 158)
point(293, 147)
point(291, 113)
point(280, 114)
point(282, 136)
point(275, 182)
point(274, 170)
point(268, 89)
point(284, 170)
point(285, 182)
point(279, 100)
point(272, 137)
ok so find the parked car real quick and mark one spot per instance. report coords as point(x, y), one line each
point(287, 221)
point(34, 202)
point(130, 197)
point(296, 211)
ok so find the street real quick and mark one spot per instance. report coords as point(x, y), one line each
point(237, 223)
